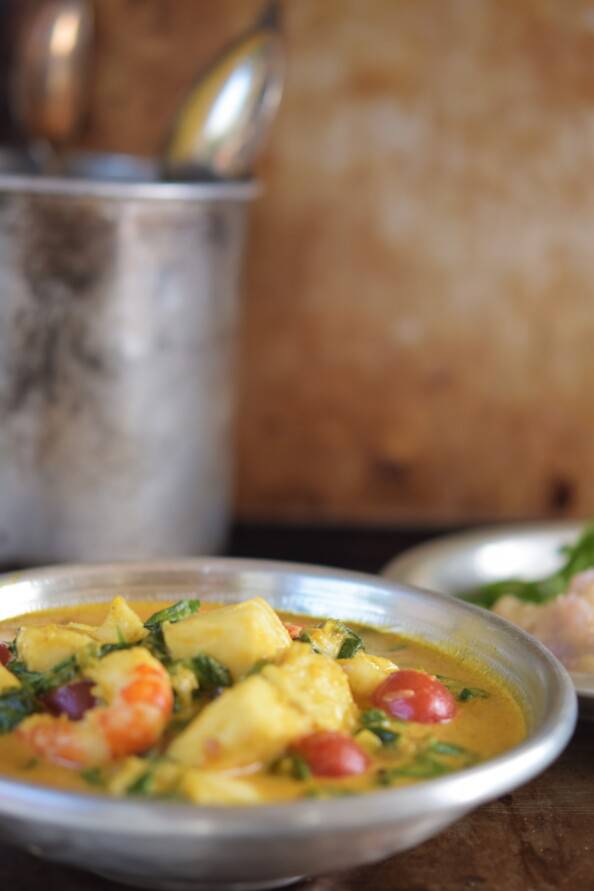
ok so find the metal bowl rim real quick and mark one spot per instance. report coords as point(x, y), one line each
point(466, 788)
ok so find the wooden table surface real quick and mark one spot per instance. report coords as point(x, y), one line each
point(539, 838)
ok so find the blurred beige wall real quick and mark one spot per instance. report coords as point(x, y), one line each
point(419, 307)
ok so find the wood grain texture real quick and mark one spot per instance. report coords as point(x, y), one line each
point(420, 279)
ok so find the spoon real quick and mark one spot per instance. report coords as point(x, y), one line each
point(222, 124)
point(51, 74)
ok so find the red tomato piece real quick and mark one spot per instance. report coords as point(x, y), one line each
point(415, 696)
point(294, 630)
point(331, 754)
point(5, 654)
point(72, 700)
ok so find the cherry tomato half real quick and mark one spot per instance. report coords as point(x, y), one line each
point(415, 696)
point(331, 754)
point(5, 654)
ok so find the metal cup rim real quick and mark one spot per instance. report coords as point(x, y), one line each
point(227, 191)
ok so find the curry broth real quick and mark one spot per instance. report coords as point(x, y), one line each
point(486, 725)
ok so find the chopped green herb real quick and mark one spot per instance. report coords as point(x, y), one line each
point(29, 679)
point(180, 610)
point(31, 763)
point(351, 643)
point(106, 649)
point(429, 763)
point(373, 716)
point(460, 691)
point(155, 643)
point(93, 776)
point(301, 769)
point(62, 673)
point(143, 785)
point(16, 705)
point(292, 765)
point(578, 557)
point(387, 737)
point(422, 768)
point(258, 666)
point(210, 672)
point(349, 647)
point(440, 747)
point(378, 722)
point(40, 682)
point(467, 693)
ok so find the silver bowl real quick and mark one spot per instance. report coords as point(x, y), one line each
point(166, 846)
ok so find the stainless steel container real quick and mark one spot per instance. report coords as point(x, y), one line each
point(118, 321)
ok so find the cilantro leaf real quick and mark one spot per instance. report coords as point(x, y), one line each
point(460, 690)
point(350, 646)
point(377, 722)
point(210, 672)
point(40, 682)
point(93, 776)
point(15, 705)
point(180, 610)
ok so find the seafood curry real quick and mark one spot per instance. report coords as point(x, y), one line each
point(236, 704)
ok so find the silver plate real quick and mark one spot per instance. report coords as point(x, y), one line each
point(166, 846)
point(457, 563)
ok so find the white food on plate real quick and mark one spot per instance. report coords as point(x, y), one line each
point(565, 625)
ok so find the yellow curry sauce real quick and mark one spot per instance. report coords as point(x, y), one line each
point(487, 722)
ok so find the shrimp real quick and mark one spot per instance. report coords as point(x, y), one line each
point(138, 702)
